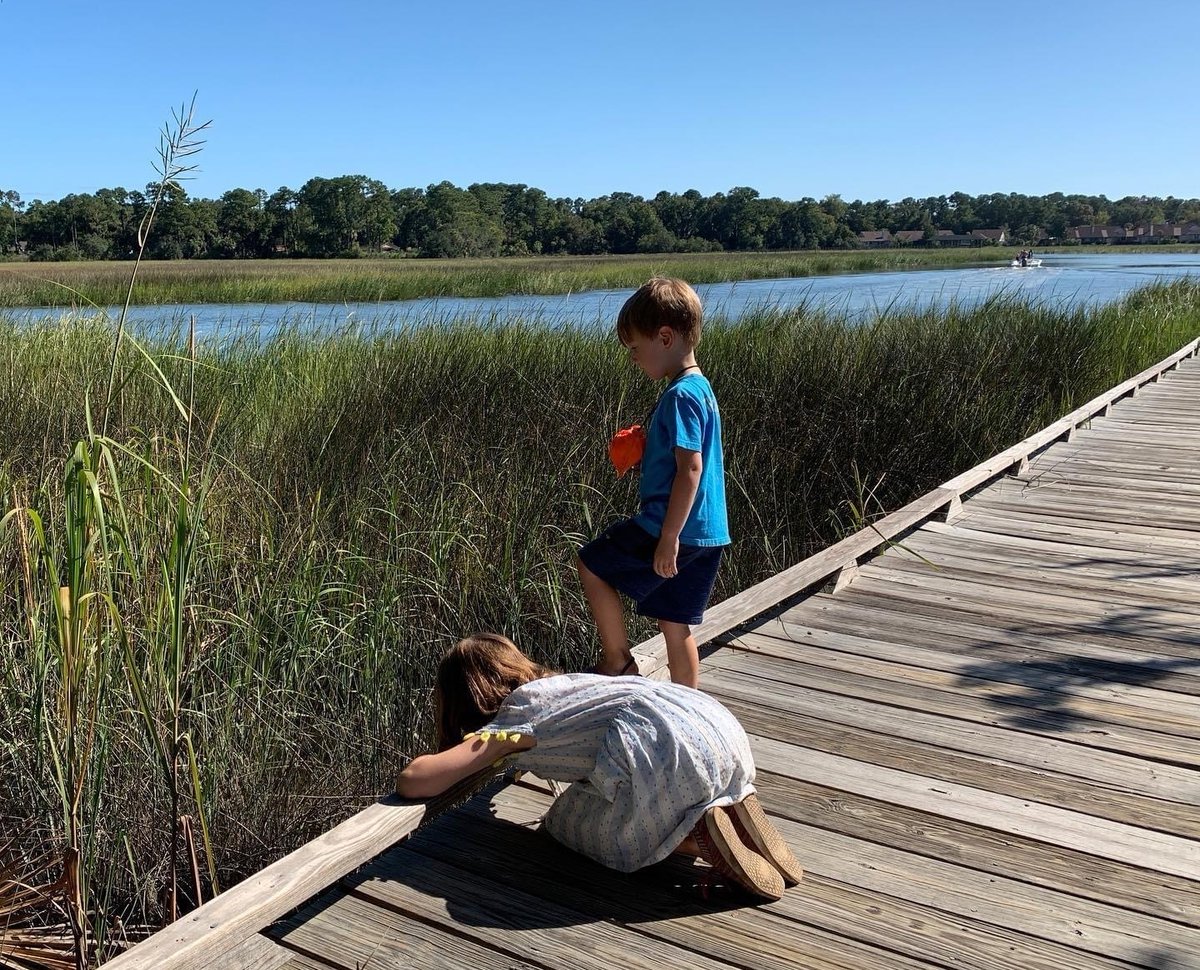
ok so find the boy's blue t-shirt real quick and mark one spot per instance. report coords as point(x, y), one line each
point(686, 417)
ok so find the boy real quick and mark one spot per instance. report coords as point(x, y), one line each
point(665, 558)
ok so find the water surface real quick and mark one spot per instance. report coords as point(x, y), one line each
point(1087, 277)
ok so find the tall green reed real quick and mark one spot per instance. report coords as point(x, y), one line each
point(89, 638)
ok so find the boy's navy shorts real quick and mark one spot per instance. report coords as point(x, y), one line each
point(623, 556)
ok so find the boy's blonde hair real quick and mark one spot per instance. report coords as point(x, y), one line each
point(661, 302)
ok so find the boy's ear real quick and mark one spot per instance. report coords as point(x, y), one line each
point(666, 335)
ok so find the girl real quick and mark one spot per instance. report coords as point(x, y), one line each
point(655, 767)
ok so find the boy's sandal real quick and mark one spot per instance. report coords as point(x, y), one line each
point(739, 864)
point(757, 831)
point(630, 668)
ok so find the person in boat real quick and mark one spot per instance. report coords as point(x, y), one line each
point(653, 767)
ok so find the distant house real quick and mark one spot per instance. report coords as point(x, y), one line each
point(1159, 232)
point(908, 237)
point(948, 238)
point(875, 238)
point(1140, 235)
point(1097, 235)
point(1149, 234)
point(990, 237)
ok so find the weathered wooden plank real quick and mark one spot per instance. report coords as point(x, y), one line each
point(1166, 564)
point(952, 573)
point(663, 901)
point(1146, 576)
point(1116, 771)
point(1130, 443)
point(1026, 662)
point(350, 933)
point(1031, 599)
point(510, 919)
point(1152, 518)
point(1016, 609)
point(1055, 484)
point(1005, 777)
point(1075, 532)
point(1029, 711)
point(1179, 412)
point(1117, 841)
point(1068, 474)
point(937, 837)
point(1181, 439)
point(1013, 609)
point(818, 920)
point(257, 952)
point(1124, 466)
point(1165, 459)
point(967, 728)
point(1087, 593)
point(1170, 409)
point(920, 623)
point(1159, 709)
point(1143, 434)
point(964, 695)
point(1082, 521)
point(992, 565)
point(1106, 931)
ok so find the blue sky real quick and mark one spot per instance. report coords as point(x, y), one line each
point(870, 99)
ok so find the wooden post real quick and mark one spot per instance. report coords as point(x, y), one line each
point(843, 577)
point(952, 509)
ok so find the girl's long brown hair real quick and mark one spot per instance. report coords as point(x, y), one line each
point(473, 679)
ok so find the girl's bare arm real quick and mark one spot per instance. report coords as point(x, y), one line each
point(431, 774)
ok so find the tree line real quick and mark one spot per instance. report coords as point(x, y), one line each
point(352, 214)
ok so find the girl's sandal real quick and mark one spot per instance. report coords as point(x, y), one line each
point(739, 864)
point(757, 832)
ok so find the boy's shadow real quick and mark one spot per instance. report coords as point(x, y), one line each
point(491, 872)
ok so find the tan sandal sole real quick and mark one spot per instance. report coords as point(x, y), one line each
point(756, 831)
point(721, 848)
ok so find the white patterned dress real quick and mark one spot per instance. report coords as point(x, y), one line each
point(646, 759)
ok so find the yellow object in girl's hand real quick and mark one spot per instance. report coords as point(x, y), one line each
point(626, 448)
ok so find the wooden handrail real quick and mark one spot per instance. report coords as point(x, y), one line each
point(198, 939)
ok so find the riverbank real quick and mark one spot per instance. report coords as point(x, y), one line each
point(290, 532)
point(367, 280)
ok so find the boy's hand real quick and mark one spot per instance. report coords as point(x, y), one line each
point(666, 554)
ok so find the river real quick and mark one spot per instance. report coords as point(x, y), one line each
point(1063, 280)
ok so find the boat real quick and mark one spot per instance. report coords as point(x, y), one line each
point(1026, 262)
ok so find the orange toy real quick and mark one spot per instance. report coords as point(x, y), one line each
point(625, 449)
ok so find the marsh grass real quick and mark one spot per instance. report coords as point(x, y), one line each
point(274, 542)
point(368, 280)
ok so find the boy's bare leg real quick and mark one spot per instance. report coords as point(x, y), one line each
point(683, 653)
point(605, 603)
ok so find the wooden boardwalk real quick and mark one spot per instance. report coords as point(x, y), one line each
point(981, 736)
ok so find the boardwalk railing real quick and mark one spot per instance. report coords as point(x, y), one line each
point(199, 939)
